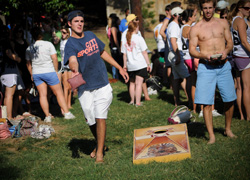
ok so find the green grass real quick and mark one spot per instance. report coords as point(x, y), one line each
point(65, 155)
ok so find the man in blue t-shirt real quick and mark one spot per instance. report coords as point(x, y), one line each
point(85, 53)
point(123, 26)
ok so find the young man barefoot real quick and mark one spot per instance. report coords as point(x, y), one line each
point(212, 35)
point(85, 53)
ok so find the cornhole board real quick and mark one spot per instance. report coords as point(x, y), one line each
point(162, 144)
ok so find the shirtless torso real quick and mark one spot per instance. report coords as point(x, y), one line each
point(212, 36)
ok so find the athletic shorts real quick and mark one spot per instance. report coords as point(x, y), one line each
point(48, 78)
point(95, 103)
point(242, 63)
point(208, 76)
point(179, 71)
point(9, 80)
point(190, 65)
point(141, 72)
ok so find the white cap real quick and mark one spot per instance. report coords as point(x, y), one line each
point(222, 4)
point(177, 11)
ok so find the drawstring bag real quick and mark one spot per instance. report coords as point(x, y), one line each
point(180, 114)
point(4, 129)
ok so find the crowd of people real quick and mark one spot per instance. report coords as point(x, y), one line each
point(199, 49)
point(33, 58)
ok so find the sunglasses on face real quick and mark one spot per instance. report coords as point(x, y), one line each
point(225, 17)
point(136, 19)
point(64, 32)
point(246, 8)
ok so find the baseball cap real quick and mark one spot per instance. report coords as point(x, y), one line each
point(176, 11)
point(130, 18)
point(222, 4)
point(75, 13)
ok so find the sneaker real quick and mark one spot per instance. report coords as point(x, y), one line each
point(215, 113)
point(69, 116)
point(47, 119)
point(201, 114)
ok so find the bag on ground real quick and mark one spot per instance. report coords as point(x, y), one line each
point(179, 115)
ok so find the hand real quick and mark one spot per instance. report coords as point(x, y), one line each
point(74, 73)
point(178, 60)
point(18, 59)
point(149, 68)
point(124, 74)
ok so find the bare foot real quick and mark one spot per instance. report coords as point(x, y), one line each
point(93, 153)
point(230, 134)
point(211, 140)
point(148, 99)
point(99, 159)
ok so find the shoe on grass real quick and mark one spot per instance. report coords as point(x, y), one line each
point(69, 115)
point(47, 119)
point(201, 114)
point(215, 113)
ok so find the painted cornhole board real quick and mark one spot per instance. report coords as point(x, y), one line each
point(162, 144)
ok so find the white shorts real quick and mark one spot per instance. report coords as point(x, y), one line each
point(95, 103)
point(9, 80)
point(179, 71)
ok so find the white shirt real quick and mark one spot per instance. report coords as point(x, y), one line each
point(158, 38)
point(125, 33)
point(39, 54)
point(174, 31)
point(135, 59)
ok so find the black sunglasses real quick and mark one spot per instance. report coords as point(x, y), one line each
point(246, 8)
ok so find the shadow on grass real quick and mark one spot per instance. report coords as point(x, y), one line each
point(123, 96)
point(197, 129)
point(86, 146)
point(163, 95)
point(7, 171)
point(78, 146)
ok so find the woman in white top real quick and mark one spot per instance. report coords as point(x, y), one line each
point(136, 61)
point(66, 73)
point(43, 65)
point(241, 54)
point(189, 16)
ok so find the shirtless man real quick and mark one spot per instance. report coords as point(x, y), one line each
point(210, 34)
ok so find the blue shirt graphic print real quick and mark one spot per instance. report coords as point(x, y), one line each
point(87, 51)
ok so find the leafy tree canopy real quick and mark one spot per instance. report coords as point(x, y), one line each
point(10, 7)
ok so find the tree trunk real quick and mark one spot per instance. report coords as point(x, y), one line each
point(136, 9)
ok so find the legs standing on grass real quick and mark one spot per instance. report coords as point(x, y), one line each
point(42, 90)
point(8, 100)
point(229, 110)
point(132, 91)
point(145, 91)
point(239, 94)
point(138, 89)
point(245, 74)
point(57, 90)
point(66, 87)
point(207, 114)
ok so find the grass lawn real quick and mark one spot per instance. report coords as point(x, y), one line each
point(65, 155)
